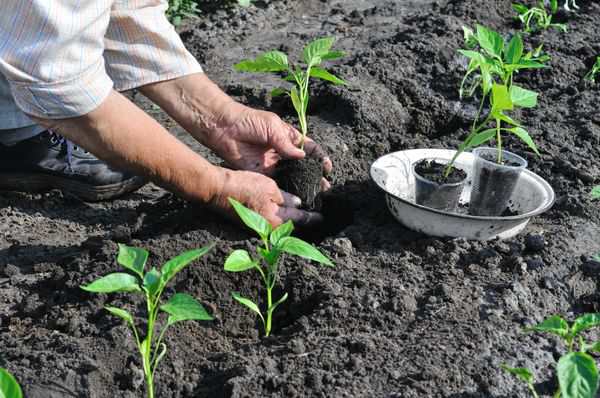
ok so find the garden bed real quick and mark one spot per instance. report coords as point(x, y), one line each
point(402, 315)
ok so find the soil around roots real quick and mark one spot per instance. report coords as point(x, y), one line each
point(303, 179)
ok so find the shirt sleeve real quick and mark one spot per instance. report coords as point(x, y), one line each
point(51, 53)
point(142, 47)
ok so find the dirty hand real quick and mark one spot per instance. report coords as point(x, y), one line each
point(250, 139)
point(261, 194)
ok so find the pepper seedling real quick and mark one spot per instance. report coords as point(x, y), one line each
point(275, 242)
point(9, 388)
point(492, 66)
point(592, 74)
point(314, 54)
point(576, 370)
point(180, 307)
point(537, 17)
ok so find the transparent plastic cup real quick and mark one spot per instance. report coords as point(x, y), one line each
point(434, 195)
point(493, 183)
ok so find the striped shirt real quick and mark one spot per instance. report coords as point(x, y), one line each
point(62, 58)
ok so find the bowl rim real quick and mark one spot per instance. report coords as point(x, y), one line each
point(535, 212)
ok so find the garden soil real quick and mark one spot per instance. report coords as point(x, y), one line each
point(401, 315)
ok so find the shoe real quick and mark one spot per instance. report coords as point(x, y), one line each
point(49, 161)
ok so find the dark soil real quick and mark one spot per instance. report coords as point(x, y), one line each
point(401, 315)
point(303, 179)
point(491, 158)
point(434, 172)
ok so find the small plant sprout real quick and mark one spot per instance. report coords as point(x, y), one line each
point(180, 307)
point(275, 243)
point(596, 193)
point(576, 370)
point(492, 66)
point(9, 388)
point(537, 17)
point(315, 53)
point(593, 73)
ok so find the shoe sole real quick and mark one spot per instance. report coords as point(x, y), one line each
point(24, 182)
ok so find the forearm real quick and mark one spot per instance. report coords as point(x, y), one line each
point(121, 134)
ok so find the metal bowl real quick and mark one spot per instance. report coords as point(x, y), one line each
point(392, 173)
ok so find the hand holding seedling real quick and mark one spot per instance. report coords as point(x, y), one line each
point(180, 307)
point(275, 242)
point(576, 370)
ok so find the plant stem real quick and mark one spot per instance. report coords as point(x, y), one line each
point(269, 313)
point(533, 392)
point(147, 352)
point(499, 141)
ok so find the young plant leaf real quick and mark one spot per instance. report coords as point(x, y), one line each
point(490, 41)
point(514, 52)
point(9, 388)
point(248, 303)
point(132, 258)
point(183, 307)
point(595, 347)
point(322, 74)
point(176, 264)
point(523, 374)
point(520, 8)
point(152, 281)
point(126, 316)
point(282, 231)
point(331, 55)
point(296, 101)
point(252, 219)
point(272, 61)
point(314, 51)
point(523, 97)
point(577, 376)
point(480, 138)
point(585, 322)
point(500, 98)
point(524, 136)
point(302, 249)
point(239, 261)
point(278, 91)
point(596, 192)
point(113, 283)
point(469, 37)
point(555, 325)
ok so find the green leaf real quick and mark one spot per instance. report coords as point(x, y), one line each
point(282, 231)
point(480, 138)
point(472, 55)
point(133, 258)
point(183, 307)
point(596, 192)
point(523, 97)
point(120, 313)
point(524, 136)
point(112, 283)
point(9, 388)
point(595, 347)
point(277, 303)
point(469, 37)
point(244, 3)
point(314, 51)
point(152, 281)
point(239, 261)
point(176, 264)
point(500, 98)
point(322, 74)
point(278, 91)
point(248, 303)
point(331, 55)
point(296, 101)
point(514, 51)
point(577, 376)
point(554, 325)
point(252, 219)
point(523, 374)
point(520, 8)
point(272, 61)
point(585, 322)
point(490, 41)
point(300, 248)
point(553, 6)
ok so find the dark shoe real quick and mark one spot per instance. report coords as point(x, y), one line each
point(48, 161)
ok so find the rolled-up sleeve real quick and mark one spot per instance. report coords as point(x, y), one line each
point(51, 53)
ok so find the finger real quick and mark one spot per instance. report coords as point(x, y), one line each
point(325, 185)
point(290, 200)
point(315, 151)
point(283, 139)
point(300, 218)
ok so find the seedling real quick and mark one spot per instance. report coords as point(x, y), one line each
point(275, 242)
point(592, 74)
point(537, 17)
point(9, 388)
point(314, 54)
point(179, 10)
point(576, 370)
point(180, 307)
point(492, 66)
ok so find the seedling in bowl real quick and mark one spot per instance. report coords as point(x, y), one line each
point(180, 307)
point(593, 73)
point(576, 370)
point(314, 54)
point(537, 17)
point(9, 387)
point(275, 243)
